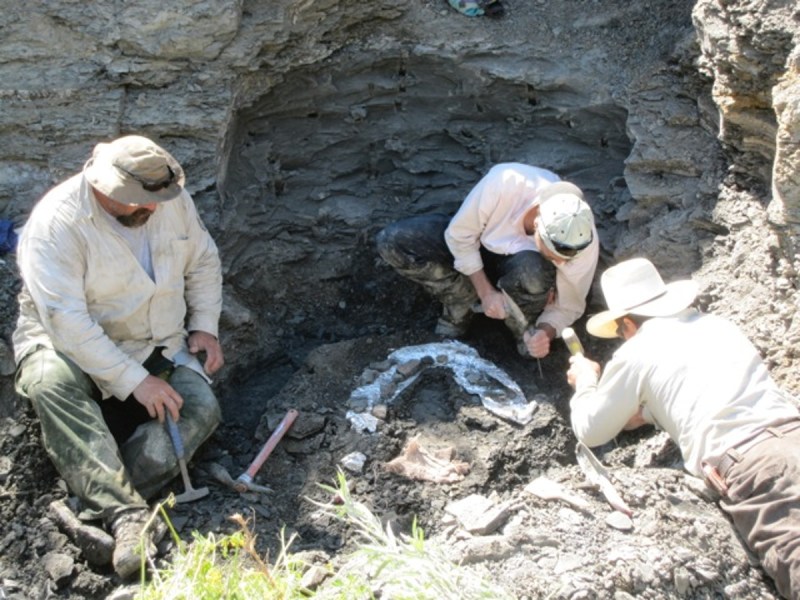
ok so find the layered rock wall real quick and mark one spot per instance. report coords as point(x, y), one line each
point(305, 126)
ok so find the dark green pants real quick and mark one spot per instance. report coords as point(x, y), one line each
point(108, 477)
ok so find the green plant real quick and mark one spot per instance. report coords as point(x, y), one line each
point(383, 564)
point(401, 567)
point(210, 568)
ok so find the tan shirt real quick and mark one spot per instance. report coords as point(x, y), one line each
point(695, 376)
point(86, 295)
point(492, 215)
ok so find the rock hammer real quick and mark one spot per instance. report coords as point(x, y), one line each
point(245, 480)
point(191, 494)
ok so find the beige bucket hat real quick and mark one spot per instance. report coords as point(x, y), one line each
point(565, 221)
point(134, 170)
point(635, 287)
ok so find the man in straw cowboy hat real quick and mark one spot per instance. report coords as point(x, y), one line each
point(697, 377)
point(520, 230)
point(121, 295)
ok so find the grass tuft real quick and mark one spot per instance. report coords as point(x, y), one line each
point(383, 565)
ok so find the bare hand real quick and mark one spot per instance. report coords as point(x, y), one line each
point(494, 305)
point(635, 421)
point(538, 342)
point(582, 368)
point(157, 396)
point(200, 341)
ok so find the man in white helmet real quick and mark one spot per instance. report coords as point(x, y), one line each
point(522, 231)
point(121, 295)
point(697, 377)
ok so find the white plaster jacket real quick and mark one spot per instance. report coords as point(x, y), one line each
point(86, 295)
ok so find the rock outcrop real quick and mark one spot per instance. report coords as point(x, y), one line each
point(304, 126)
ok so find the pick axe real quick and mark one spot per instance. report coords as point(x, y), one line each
point(191, 494)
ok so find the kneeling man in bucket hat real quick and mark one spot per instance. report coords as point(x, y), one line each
point(697, 377)
point(121, 294)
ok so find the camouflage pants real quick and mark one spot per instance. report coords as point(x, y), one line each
point(415, 248)
point(110, 477)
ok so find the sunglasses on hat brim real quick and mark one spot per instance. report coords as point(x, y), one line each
point(568, 251)
point(149, 185)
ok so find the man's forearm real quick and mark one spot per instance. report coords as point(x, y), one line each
point(548, 329)
point(481, 283)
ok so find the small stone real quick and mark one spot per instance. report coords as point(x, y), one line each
point(362, 421)
point(354, 462)
point(59, 567)
point(379, 411)
point(314, 577)
point(408, 368)
point(478, 514)
point(681, 580)
point(619, 521)
point(306, 424)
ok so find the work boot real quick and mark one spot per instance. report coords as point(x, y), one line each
point(455, 320)
point(131, 540)
point(95, 544)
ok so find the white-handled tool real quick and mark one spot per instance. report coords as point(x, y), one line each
point(571, 340)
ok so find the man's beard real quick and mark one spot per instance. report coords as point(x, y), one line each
point(136, 219)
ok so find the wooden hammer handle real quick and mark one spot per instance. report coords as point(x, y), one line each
point(268, 446)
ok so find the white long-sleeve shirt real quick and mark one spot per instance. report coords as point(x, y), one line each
point(86, 294)
point(696, 376)
point(492, 215)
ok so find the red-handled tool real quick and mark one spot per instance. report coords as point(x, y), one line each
point(245, 479)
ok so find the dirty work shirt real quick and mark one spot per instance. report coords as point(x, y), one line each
point(492, 215)
point(97, 305)
point(696, 376)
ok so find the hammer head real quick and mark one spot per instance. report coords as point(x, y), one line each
point(191, 494)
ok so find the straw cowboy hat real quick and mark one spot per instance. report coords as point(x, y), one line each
point(635, 287)
point(134, 170)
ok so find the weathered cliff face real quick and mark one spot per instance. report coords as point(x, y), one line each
point(306, 126)
point(750, 50)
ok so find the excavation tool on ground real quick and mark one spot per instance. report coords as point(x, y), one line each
point(596, 473)
point(191, 494)
point(245, 480)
